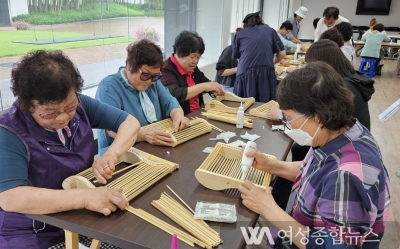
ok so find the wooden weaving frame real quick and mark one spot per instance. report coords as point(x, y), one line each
point(261, 111)
point(145, 170)
point(197, 128)
point(222, 170)
point(217, 105)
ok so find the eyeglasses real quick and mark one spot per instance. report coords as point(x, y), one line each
point(147, 76)
point(287, 122)
point(56, 114)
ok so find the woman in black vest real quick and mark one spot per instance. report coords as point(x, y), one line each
point(182, 76)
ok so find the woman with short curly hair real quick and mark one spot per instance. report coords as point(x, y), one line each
point(137, 89)
point(46, 136)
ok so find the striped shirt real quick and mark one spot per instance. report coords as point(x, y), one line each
point(343, 187)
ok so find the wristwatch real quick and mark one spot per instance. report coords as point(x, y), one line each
point(280, 116)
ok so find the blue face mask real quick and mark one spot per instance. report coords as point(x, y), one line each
point(301, 137)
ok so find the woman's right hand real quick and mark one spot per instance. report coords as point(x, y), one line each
point(213, 87)
point(156, 136)
point(103, 200)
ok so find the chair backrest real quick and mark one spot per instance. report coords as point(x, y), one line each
point(360, 34)
point(392, 29)
point(364, 28)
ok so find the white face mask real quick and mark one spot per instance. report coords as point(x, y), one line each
point(301, 137)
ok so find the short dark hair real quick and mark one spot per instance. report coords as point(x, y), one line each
point(317, 90)
point(253, 21)
point(327, 51)
point(346, 30)
point(286, 25)
point(143, 52)
point(380, 27)
point(331, 12)
point(45, 76)
point(334, 35)
point(188, 42)
point(315, 22)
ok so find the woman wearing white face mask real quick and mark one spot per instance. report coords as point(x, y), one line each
point(342, 184)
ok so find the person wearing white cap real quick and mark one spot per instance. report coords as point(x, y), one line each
point(299, 15)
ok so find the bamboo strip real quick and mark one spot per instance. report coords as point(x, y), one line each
point(188, 239)
point(198, 220)
point(171, 208)
point(228, 118)
point(177, 196)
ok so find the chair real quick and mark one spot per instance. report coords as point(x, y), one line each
point(363, 28)
point(395, 29)
point(367, 66)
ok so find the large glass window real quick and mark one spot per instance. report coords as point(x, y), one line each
point(95, 33)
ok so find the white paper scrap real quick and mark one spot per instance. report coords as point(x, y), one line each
point(238, 143)
point(225, 136)
point(208, 150)
point(278, 128)
point(251, 137)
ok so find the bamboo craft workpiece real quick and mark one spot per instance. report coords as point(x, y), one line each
point(144, 171)
point(261, 111)
point(213, 126)
point(183, 236)
point(280, 69)
point(179, 214)
point(197, 128)
point(222, 170)
point(227, 118)
point(217, 105)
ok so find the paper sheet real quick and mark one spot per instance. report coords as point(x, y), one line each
point(225, 136)
point(251, 137)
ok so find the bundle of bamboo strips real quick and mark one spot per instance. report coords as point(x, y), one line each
point(230, 118)
point(183, 236)
point(179, 214)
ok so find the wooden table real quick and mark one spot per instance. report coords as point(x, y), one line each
point(125, 230)
point(390, 45)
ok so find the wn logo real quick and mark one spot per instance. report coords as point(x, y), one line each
point(256, 235)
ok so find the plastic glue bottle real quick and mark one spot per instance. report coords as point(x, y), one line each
point(247, 161)
point(240, 117)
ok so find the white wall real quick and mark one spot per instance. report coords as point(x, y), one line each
point(347, 9)
point(18, 7)
point(209, 27)
point(271, 13)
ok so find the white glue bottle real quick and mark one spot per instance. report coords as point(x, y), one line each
point(247, 161)
point(240, 117)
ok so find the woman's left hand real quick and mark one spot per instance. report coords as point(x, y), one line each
point(181, 122)
point(273, 113)
point(255, 199)
point(104, 167)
